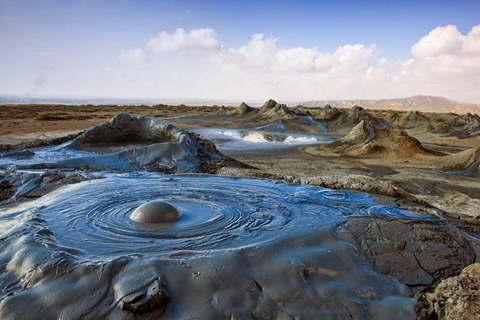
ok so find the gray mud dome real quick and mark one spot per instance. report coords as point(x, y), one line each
point(128, 143)
point(243, 248)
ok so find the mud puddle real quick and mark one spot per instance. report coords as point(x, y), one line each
point(238, 139)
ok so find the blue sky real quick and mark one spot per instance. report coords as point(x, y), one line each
point(74, 49)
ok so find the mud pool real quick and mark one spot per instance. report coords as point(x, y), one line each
point(238, 139)
point(232, 230)
point(218, 213)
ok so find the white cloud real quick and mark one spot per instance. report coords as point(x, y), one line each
point(258, 52)
point(444, 62)
point(440, 41)
point(261, 52)
point(195, 40)
point(132, 55)
point(298, 59)
point(445, 54)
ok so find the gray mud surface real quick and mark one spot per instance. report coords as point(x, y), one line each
point(244, 248)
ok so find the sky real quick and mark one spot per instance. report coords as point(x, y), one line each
point(240, 50)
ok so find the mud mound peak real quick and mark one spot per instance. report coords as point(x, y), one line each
point(411, 119)
point(273, 109)
point(358, 113)
point(327, 113)
point(128, 143)
point(465, 163)
point(366, 141)
point(270, 104)
point(244, 109)
point(362, 133)
point(222, 111)
point(124, 127)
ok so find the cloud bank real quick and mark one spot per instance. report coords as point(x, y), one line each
point(443, 62)
point(194, 40)
point(197, 63)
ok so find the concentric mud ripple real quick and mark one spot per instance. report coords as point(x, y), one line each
point(218, 213)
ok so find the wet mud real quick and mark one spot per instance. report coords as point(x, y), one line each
point(245, 248)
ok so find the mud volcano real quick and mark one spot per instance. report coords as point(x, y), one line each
point(129, 143)
point(250, 248)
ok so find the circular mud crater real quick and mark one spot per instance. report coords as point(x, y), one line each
point(122, 215)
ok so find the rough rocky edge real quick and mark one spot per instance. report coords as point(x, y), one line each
point(456, 297)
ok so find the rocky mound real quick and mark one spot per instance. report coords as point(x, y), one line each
point(244, 109)
point(327, 113)
point(128, 143)
point(276, 110)
point(366, 141)
point(449, 124)
point(409, 120)
point(465, 125)
point(332, 117)
point(222, 111)
point(466, 162)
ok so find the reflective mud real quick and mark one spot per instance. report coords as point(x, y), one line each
point(233, 139)
point(243, 247)
point(217, 213)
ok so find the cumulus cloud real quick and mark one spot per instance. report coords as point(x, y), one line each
point(299, 59)
point(258, 52)
point(195, 40)
point(443, 53)
point(262, 52)
point(132, 55)
point(440, 41)
point(447, 40)
point(443, 62)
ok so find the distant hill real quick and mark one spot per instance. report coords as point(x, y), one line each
point(419, 103)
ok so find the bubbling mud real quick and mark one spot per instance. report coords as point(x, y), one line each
point(101, 217)
point(155, 212)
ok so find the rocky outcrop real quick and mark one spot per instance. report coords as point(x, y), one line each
point(456, 298)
